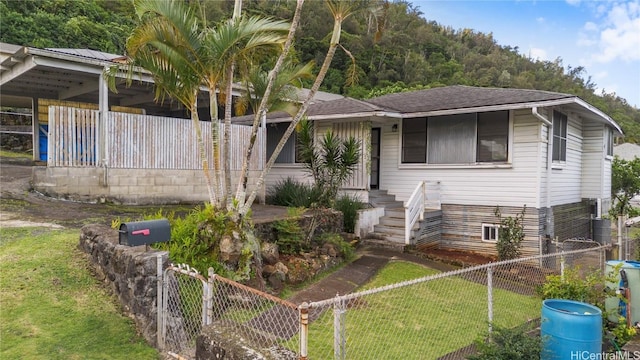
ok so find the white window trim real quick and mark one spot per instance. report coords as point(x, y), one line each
point(494, 226)
point(475, 165)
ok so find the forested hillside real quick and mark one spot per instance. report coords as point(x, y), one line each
point(409, 53)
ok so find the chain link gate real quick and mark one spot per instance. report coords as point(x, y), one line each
point(186, 298)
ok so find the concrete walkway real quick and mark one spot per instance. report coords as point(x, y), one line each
point(349, 278)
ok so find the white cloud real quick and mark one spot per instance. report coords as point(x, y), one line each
point(538, 54)
point(616, 34)
point(573, 2)
point(540, 20)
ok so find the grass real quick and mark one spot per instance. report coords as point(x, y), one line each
point(16, 155)
point(51, 307)
point(424, 320)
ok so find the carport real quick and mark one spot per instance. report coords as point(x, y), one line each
point(29, 74)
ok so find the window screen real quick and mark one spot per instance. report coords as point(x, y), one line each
point(493, 136)
point(451, 139)
point(414, 138)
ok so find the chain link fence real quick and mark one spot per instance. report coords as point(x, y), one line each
point(184, 310)
point(438, 316)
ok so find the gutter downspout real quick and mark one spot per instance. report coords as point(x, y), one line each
point(534, 112)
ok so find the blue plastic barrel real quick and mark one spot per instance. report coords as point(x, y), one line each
point(570, 330)
point(43, 142)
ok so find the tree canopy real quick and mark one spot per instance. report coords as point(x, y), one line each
point(411, 53)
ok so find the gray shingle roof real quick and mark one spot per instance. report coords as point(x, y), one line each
point(342, 106)
point(461, 97)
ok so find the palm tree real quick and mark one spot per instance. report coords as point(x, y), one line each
point(175, 43)
point(340, 10)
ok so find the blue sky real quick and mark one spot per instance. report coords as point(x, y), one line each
point(602, 36)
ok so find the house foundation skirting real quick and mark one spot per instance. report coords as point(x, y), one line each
point(462, 228)
point(123, 186)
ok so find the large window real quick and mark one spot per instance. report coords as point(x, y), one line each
point(493, 136)
point(559, 136)
point(456, 139)
point(288, 155)
point(414, 137)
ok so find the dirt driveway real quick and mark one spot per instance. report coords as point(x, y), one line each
point(19, 206)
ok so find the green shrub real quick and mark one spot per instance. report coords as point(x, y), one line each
point(290, 237)
point(349, 206)
point(589, 289)
point(508, 344)
point(293, 194)
point(195, 240)
point(344, 248)
point(510, 235)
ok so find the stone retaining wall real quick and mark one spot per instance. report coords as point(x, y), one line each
point(129, 272)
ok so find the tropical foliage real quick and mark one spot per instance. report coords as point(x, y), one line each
point(625, 184)
point(330, 163)
point(414, 51)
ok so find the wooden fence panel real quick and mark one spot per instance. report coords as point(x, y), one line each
point(141, 141)
point(72, 137)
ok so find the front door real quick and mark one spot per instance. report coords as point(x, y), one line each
point(374, 181)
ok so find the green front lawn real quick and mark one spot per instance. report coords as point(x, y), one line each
point(51, 307)
point(422, 321)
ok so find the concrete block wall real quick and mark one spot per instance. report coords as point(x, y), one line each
point(125, 186)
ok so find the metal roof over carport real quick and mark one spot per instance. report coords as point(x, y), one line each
point(28, 73)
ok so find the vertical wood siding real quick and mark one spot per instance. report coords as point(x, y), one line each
point(361, 131)
point(72, 137)
point(141, 141)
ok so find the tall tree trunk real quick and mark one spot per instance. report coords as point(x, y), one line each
point(201, 149)
point(335, 39)
point(215, 144)
point(228, 200)
point(262, 109)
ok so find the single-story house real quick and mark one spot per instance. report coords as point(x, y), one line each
point(456, 153)
point(435, 163)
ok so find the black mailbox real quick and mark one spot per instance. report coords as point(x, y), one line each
point(144, 232)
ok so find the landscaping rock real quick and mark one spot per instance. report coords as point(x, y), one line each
point(270, 254)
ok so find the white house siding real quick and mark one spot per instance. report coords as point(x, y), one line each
point(514, 185)
point(596, 174)
point(543, 159)
point(566, 177)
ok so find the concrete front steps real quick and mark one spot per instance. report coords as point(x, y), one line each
point(389, 233)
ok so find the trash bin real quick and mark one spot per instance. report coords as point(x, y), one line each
point(570, 330)
point(614, 306)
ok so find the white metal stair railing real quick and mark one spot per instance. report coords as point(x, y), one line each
point(414, 209)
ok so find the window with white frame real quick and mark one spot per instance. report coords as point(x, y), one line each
point(609, 141)
point(559, 136)
point(490, 232)
point(456, 139)
point(289, 153)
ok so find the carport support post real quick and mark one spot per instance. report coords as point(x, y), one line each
point(103, 106)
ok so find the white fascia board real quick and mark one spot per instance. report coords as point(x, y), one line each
point(66, 65)
point(516, 106)
point(607, 119)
